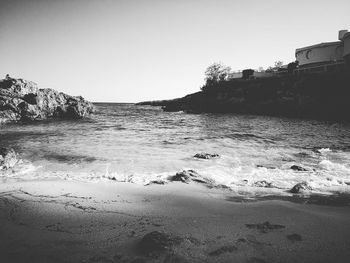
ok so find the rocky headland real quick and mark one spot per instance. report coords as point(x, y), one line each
point(22, 100)
point(323, 96)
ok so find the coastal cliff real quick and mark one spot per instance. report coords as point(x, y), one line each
point(317, 95)
point(22, 100)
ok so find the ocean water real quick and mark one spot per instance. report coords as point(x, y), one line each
point(140, 144)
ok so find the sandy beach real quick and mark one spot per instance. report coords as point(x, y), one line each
point(70, 221)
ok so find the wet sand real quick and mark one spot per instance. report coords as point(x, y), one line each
point(69, 221)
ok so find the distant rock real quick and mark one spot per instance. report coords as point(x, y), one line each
point(298, 168)
point(206, 155)
point(8, 158)
point(300, 188)
point(22, 100)
point(157, 242)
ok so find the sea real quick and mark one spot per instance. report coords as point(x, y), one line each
point(143, 144)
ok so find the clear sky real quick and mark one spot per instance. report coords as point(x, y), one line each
point(134, 50)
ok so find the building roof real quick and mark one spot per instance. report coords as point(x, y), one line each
point(326, 44)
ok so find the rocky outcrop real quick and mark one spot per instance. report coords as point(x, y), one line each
point(317, 95)
point(22, 100)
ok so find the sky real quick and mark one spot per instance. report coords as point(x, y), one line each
point(137, 50)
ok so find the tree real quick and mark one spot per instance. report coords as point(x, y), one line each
point(215, 73)
point(278, 64)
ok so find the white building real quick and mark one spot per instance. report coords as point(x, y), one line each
point(324, 53)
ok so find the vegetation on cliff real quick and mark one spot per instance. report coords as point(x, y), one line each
point(314, 95)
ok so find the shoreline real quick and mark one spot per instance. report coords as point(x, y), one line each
point(71, 221)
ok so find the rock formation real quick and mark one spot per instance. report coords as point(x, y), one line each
point(22, 100)
point(316, 95)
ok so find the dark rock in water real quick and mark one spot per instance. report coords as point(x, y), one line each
point(264, 227)
point(298, 168)
point(267, 167)
point(206, 155)
point(263, 184)
point(294, 237)
point(184, 176)
point(22, 100)
point(156, 182)
point(8, 158)
point(157, 242)
point(300, 188)
point(222, 250)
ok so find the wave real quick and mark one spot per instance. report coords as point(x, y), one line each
point(326, 176)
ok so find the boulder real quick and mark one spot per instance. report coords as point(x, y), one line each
point(206, 155)
point(22, 100)
point(300, 188)
point(8, 158)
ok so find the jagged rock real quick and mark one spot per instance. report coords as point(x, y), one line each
point(22, 100)
point(8, 158)
point(300, 188)
point(298, 168)
point(206, 155)
point(184, 176)
point(156, 242)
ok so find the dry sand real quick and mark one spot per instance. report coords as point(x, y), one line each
point(69, 221)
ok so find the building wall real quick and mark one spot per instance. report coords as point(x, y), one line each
point(235, 75)
point(263, 74)
point(320, 53)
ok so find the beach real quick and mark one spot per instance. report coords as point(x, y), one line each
point(71, 221)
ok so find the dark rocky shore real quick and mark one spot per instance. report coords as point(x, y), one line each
point(22, 100)
point(323, 96)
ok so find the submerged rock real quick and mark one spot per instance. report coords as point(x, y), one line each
point(294, 237)
point(8, 158)
point(264, 227)
point(222, 250)
point(298, 168)
point(300, 188)
point(156, 242)
point(22, 100)
point(206, 155)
